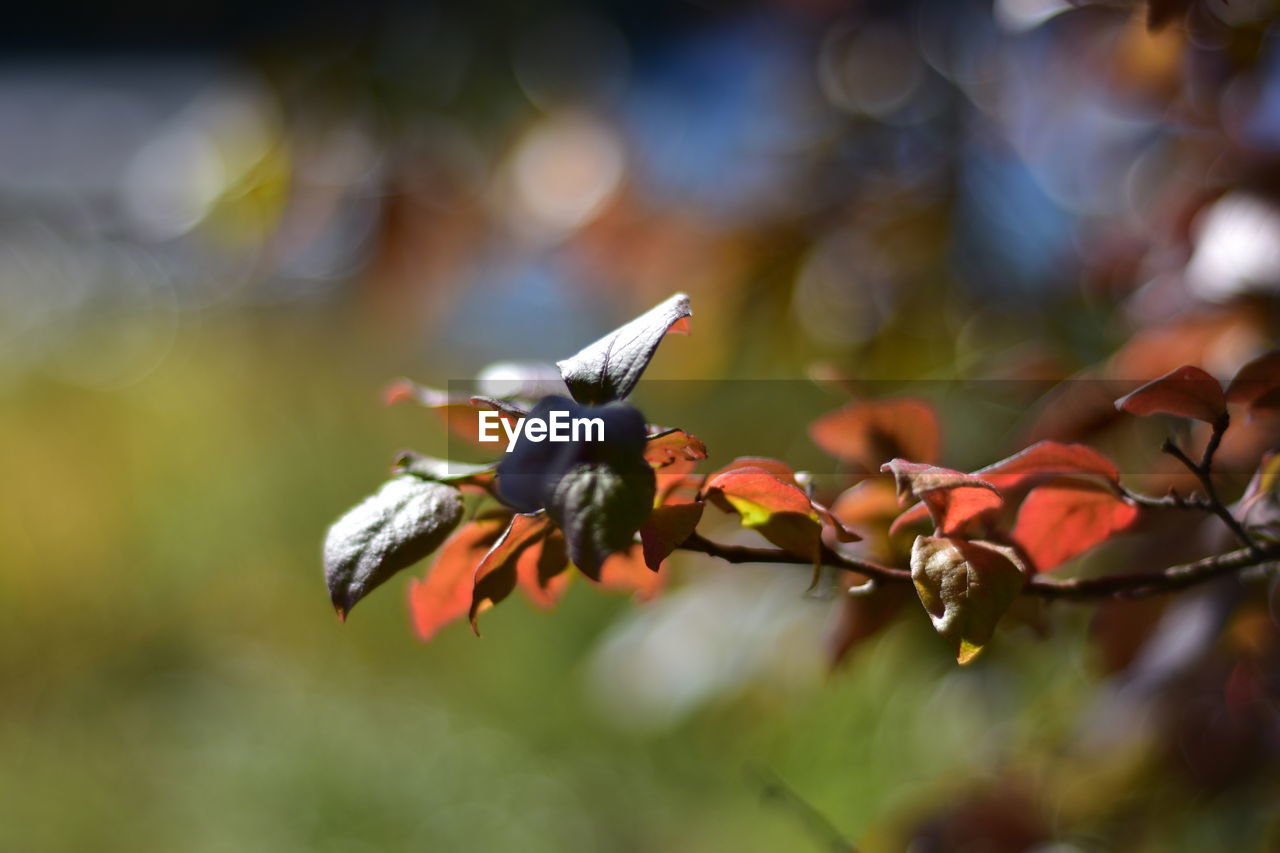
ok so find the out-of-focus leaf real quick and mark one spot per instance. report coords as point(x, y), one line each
point(460, 414)
point(1060, 521)
point(953, 499)
point(667, 527)
point(1049, 460)
point(600, 506)
point(442, 470)
point(608, 369)
point(626, 572)
point(1187, 392)
point(403, 522)
point(1255, 385)
point(1259, 508)
point(780, 511)
point(870, 432)
point(672, 447)
point(540, 570)
point(780, 470)
point(863, 616)
point(1161, 13)
point(444, 594)
point(965, 586)
point(495, 577)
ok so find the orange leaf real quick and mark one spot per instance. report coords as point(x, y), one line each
point(540, 570)
point(1187, 392)
point(1061, 521)
point(495, 577)
point(779, 510)
point(626, 571)
point(953, 499)
point(666, 529)
point(868, 432)
point(444, 594)
point(672, 448)
point(1047, 460)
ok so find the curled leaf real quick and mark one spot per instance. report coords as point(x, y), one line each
point(608, 369)
point(1187, 392)
point(1059, 521)
point(495, 577)
point(403, 522)
point(965, 586)
point(870, 432)
point(953, 499)
point(672, 447)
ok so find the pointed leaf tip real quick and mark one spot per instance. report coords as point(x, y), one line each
point(608, 369)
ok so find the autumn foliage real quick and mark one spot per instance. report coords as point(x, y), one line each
point(970, 543)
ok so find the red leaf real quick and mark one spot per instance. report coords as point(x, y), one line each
point(666, 529)
point(444, 594)
point(673, 447)
point(540, 570)
point(626, 571)
point(1061, 521)
point(1255, 384)
point(1187, 392)
point(1047, 460)
point(780, 470)
point(779, 510)
point(868, 432)
point(954, 499)
point(495, 577)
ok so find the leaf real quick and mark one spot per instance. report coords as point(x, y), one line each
point(953, 499)
point(394, 528)
point(779, 510)
point(780, 470)
point(672, 447)
point(1255, 384)
point(495, 577)
point(460, 414)
point(1187, 392)
point(600, 506)
point(444, 594)
point(540, 570)
point(608, 369)
point(442, 470)
point(1049, 460)
point(965, 586)
point(1259, 507)
point(667, 528)
point(870, 432)
point(626, 572)
point(1063, 520)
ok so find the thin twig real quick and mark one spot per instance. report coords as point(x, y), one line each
point(1134, 585)
point(1203, 471)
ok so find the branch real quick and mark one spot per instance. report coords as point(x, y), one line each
point(1203, 471)
point(1134, 585)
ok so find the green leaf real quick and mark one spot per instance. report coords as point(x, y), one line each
point(406, 520)
point(966, 586)
point(608, 369)
point(600, 506)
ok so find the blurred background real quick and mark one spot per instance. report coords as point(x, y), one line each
point(225, 227)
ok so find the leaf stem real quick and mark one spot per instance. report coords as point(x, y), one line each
point(1203, 470)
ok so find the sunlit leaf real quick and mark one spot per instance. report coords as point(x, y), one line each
point(495, 576)
point(1048, 460)
point(1259, 507)
point(953, 499)
point(965, 586)
point(403, 522)
point(444, 594)
point(871, 432)
point(672, 447)
point(668, 527)
point(608, 369)
point(779, 510)
point(1187, 392)
point(1059, 521)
